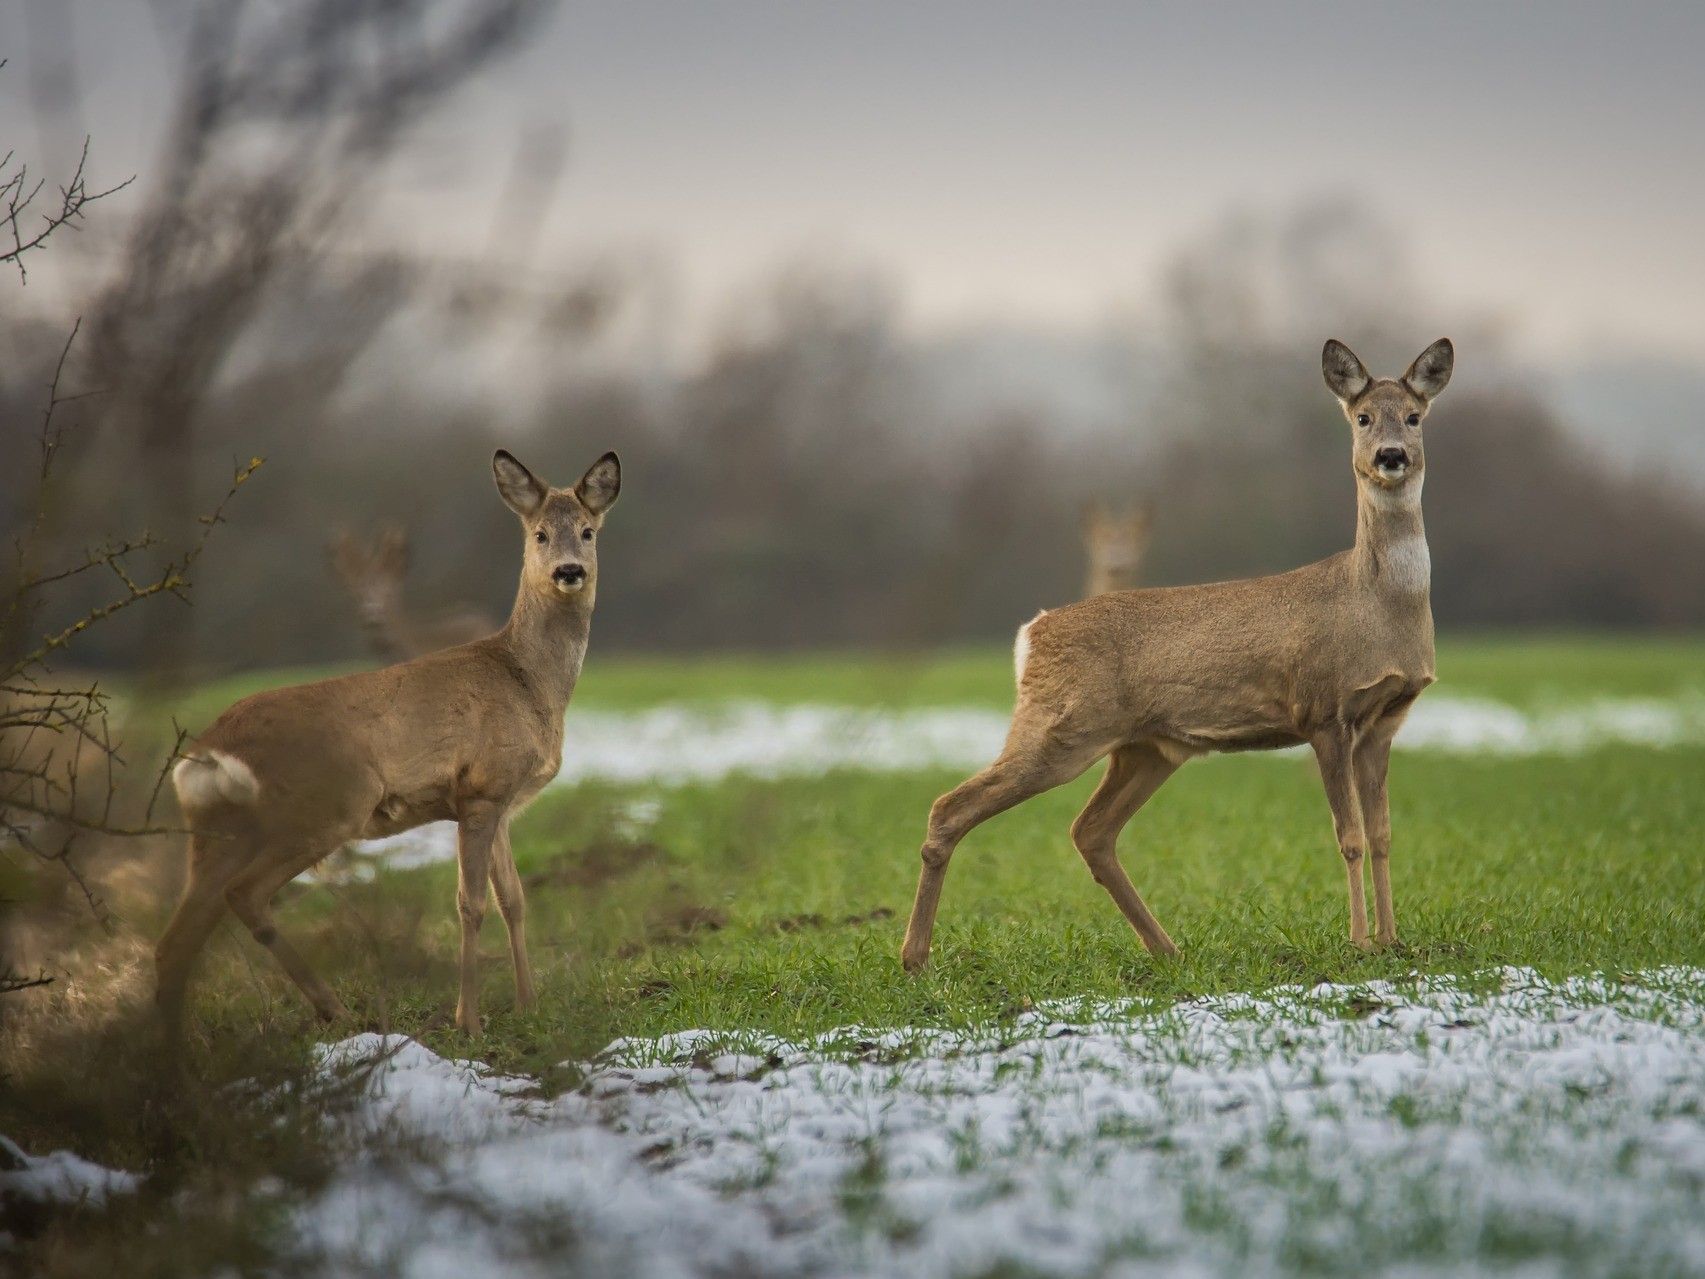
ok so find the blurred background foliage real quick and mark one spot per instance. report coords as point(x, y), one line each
point(815, 471)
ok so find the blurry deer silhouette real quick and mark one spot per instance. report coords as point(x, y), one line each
point(374, 580)
point(1114, 543)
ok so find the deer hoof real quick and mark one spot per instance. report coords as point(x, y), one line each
point(912, 961)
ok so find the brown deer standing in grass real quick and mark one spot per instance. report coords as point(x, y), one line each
point(1113, 545)
point(1332, 654)
point(468, 734)
point(374, 579)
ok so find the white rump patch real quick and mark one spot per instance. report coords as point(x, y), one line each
point(1021, 647)
point(213, 777)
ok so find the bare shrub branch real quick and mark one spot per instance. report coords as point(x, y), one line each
point(23, 231)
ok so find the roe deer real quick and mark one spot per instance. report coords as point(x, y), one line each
point(1113, 545)
point(468, 734)
point(374, 580)
point(1332, 654)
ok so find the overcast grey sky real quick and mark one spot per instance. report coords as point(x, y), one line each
point(1041, 162)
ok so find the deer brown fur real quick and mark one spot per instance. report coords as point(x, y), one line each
point(1332, 655)
point(468, 734)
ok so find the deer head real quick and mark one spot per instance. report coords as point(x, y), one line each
point(1385, 416)
point(560, 559)
point(1114, 543)
point(373, 578)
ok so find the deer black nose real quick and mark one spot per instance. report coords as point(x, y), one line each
point(569, 574)
point(1391, 459)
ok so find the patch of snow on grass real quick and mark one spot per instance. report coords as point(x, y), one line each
point(1428, 1127)
point(672, 745)
point(679, 744)
point(58, 1177)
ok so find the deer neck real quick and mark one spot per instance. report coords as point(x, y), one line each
point(548, 638)
point(1391, 555)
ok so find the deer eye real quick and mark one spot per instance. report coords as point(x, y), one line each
point(541, 537)
point(585, 535)
point(1362, 419)
point(1414, 419)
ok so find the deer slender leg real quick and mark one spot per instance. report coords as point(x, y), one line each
point(1372, 762)
point(1333, 750)
point(250, 896)
point(1019, 773)
point(192, 923)
point(1134, 773)
point(512, 903)
point(477, 832)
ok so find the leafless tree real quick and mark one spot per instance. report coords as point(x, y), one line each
point(29, 217)
point(285, 116)
point(59, 761)
point(58, 757)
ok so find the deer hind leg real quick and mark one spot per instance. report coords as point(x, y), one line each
point(250, 897)
point(192, 923)
point(1134, 773)
point(1334, 751)
point(1023, 770)
point(477, 831)
point(1372, 762)
point(512, 903)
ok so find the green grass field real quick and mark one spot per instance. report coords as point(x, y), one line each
point(779, 904)
point(753, 907)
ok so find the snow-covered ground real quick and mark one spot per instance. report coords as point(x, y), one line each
point(58, 1177)
point(1504, 1125)
point(674, 745)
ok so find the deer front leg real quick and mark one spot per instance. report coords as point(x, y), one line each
point(512, 903)
point(476, 830)
point(1334, 751)
point(1372, 763)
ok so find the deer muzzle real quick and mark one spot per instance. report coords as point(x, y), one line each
point(1391, 462)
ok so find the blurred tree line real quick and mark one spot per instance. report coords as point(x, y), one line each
point(801, 483)
point(800, 487)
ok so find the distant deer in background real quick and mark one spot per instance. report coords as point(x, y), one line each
point(1114, 543)
point(374, 580)
point(469, 735)
point(1332, 655)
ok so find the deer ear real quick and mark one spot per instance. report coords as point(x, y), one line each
point(601, 485)
point(521, 490)
point(1430, 373)
point(1346, 376)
